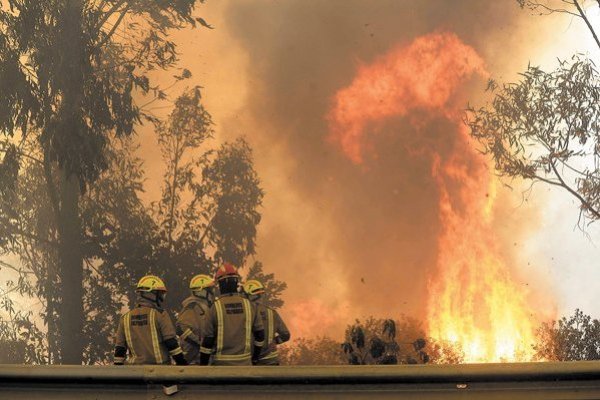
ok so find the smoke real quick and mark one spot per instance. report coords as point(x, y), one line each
point(349, 241)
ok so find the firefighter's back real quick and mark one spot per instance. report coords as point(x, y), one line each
point(143, 335)
point(190, 324)
point(234, 316)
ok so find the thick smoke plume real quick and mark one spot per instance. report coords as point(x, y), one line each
point(356, 240)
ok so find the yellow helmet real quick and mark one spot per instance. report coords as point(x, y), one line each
point(149, 283)
point(201, 281)
point(253, 287)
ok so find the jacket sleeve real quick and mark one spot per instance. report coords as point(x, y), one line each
point(167, 332)
point(165, 326)
point(120, 339)
point(258, 327)
point(203, 320)
point(210, 332)
point(185, 325)
point(282, 334)
point(120, 344)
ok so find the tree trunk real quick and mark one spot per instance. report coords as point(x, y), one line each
point(71, 272)
point(70, 256)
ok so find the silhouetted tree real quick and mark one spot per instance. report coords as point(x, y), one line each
point(374, 341)
point(571, 338)
point(379, 341)
point(273, 288)
point(21, 341)
point(544, 128)
point(68, 69)
point(123, 238)
point(232, 193)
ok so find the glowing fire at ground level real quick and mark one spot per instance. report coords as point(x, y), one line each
point(474, 301)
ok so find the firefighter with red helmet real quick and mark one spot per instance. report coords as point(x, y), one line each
point(191, 320)
point(234, 330)
point(275, 329)
point(146, 331)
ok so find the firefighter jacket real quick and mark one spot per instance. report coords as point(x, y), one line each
point(232, 321)
point(275, 333)
point(191, 327)
point(143, 331)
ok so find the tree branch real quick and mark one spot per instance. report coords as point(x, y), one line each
point(574, 192)
point(18, 270)
point(535, 4)
point(21, 232)
point(89, 264)
point(587, 22)
point(208, 226)
point(109, 13)
point(52, 193)
point(177, 156)
point(114, 28)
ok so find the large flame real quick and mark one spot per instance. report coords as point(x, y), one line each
point(474, 301)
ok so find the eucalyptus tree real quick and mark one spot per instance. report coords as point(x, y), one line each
point(572, 338)
point(69, 70)
point(545, 127)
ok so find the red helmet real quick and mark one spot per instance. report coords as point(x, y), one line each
point(226, 270)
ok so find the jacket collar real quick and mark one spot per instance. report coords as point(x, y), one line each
point(141, 302)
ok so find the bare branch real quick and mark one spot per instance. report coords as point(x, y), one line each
point(109, 13)
point(12, 267)
point(533, 5)
point(587, 22)
point(583, 201)
point(114, 28)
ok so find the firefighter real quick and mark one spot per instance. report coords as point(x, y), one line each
point(275, 329)
point(147, 330)
point(190, 322)
point(232, 325)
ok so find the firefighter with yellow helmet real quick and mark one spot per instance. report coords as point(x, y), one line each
point(190, 321)
point(275, 329)
point(234, 330)
point(147, 331)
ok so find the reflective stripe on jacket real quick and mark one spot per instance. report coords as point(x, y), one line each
point(191, 325)
point(232, 320)
point(274, 325)
point(143, 331)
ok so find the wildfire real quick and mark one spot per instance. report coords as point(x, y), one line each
point(474, 301)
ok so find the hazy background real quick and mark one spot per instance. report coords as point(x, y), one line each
point(353, 240)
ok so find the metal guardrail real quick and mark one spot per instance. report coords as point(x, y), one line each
point(569, 380)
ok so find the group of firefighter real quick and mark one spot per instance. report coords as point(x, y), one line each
point(234, 328)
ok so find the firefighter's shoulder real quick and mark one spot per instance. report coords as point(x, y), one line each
point(193, 303)
point(188, 302)
point(161, 311)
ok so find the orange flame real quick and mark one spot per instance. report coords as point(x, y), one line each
point(423, 75)
point(474, 301)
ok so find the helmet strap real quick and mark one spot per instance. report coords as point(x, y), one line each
point(154, 297)
point(150, 296)
point(201, 293)
point(255, 297)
